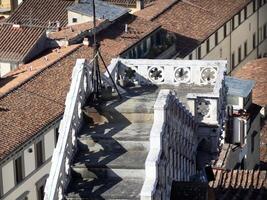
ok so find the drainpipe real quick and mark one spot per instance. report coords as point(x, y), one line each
point(258, 33)
point(140, 4)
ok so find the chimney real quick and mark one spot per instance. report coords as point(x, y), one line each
point(140, 4)
point(126, 28)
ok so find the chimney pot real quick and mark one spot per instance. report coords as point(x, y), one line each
point(140, 4)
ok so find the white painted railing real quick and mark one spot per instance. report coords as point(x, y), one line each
point(172, 147)
point(60, 173)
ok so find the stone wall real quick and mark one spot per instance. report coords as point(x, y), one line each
point(172, 151)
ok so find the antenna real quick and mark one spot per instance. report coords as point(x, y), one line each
point(96, 78)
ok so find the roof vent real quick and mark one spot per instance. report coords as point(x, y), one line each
point(16, 25)
point(126, 28)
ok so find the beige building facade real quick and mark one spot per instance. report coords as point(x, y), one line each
point(23, 174)
point(241, 39)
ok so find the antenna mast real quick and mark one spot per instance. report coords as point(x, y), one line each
point(96, 79)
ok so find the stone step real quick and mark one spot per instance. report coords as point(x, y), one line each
point(92, 144)
point(98, 188)
point(118, 131)
point(104, 172)
point(128, 109)
point(112, 160)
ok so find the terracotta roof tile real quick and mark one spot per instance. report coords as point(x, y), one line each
point(128, 2)
point(17, 42)
point(255, 70)
point(240, 184)
point(72, 31)
point(118, 40)
point(38, 102)
point(154, 9)
point(196, 19)
point(41, 12)
point(26, 71)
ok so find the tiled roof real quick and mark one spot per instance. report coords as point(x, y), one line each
point(255, 70)
point(14, 78)
point(37, 103)
point(17, 42)
point(115, 40)
point(72, 31)
point(103, 10)
point(226, 150)
point(128, 2)
point(196, 19)
point(40, 12)
point(155, 8)
point(240, 184)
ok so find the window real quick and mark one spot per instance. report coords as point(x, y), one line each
point(40, 185)
point(40, 192)
point(253, 135)
point(24, 196)
point(233, 23)
point(39, 153)
point(254, 40)
point(139, 51)
point(19, 174)
point(245, 49)
point(225, 30)
point(190, 57)
point(199, 52)
point(239, 55)
point(216, 38)
point(239, 18)
point(208, 45)
point(145, 46)
point(158, 39)
point(134, 53)
point(233, 60)
point(74, 20)
point(260, 34)
point(245, 13)
point(260, 3)
point(56, 135)
point(254, 5)
point(264, 31)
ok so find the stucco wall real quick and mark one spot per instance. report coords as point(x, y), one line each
point(253, 158)
point(4, 68)
point(32, 174)
point(80, 18)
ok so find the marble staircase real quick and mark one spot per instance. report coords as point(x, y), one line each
point(110, 161)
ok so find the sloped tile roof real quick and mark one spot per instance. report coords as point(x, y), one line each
point(196, 19)
point(115, 40)
point(240, 184)
point(72, 31)
point(37, 103)
point(40, 12)
point(40, 101)
point(16, 43)
point(257, 71)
